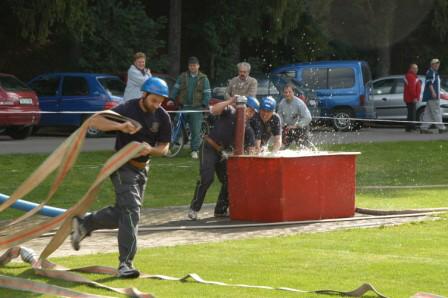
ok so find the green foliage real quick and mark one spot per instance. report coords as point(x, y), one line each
point(38, 18)
point(120, 30)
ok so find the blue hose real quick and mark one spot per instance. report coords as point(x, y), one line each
point(27, 206)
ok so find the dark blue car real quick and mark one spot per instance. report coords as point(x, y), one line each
point(341, 87)
point(70, 98)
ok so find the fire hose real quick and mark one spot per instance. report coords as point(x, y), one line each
point(62, 160)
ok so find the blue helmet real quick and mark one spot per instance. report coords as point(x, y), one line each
point(268, 104)
point(155, 86)
point(253, 103)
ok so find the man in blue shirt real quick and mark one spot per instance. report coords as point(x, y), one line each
point(192, 92)
point(431, 96)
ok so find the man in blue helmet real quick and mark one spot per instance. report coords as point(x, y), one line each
point(130, 180)
point(267, 124)
point(213, 152)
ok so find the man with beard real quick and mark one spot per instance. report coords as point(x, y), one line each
point(130, 180)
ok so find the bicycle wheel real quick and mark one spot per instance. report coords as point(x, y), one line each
point(177, 141)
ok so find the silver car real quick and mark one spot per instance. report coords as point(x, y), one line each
point(388, 98)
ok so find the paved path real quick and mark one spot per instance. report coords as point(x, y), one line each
point(176, 216)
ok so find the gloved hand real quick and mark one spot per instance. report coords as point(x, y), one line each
point(225, 155)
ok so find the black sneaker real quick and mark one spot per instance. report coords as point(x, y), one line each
point(79, 232)
point(126, 270)
point(221, 214)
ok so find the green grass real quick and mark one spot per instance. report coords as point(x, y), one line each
point(398, 261)
point(172, 181)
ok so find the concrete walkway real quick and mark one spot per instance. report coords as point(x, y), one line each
point(102, 242)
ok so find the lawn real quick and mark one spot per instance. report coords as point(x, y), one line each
point(172, 181)
point(399, 261)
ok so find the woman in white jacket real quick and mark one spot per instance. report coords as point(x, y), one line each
point(137, 75)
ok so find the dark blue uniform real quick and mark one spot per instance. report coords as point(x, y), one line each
point(264, 131)
point(211, 161)
point(129, 181)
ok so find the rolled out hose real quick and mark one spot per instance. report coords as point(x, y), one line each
point(398, 212)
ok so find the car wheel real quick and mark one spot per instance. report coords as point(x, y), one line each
point(177, 142)
point(35, 130)
point(19, 132)
point(92, 132)
point(341, 120)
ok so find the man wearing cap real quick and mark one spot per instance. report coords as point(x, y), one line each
point(130, 180)
point(243, 84)
point(192, 92)
point(431, 96)
point(267, 124)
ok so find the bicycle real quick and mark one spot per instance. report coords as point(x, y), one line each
point(180, 133)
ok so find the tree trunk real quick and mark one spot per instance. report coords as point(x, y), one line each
point(174, 40)
point(383, 68)
point(212, 69)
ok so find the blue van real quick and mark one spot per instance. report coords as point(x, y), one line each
point(342, 89)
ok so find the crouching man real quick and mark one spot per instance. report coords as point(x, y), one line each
point(212, 155)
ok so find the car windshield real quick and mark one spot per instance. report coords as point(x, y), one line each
point(9, 83)
point(266, 87)
point(299, 88)
point(113, 85)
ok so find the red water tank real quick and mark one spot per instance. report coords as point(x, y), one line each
point(315, 186)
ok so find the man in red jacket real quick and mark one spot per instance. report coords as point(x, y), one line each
point(411, 94)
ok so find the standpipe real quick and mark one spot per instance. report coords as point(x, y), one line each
point(240, 124)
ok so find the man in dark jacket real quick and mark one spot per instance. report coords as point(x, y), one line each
point(213, 153)
point(411, 94)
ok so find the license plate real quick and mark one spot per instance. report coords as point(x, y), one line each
point(26, 101)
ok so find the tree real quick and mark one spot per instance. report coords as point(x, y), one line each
point(225, 33)
point(38, 18)
point(174, 39)
point(371, 24)
point(120, 30)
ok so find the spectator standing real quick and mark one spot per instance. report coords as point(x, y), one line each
point(137, 75)
point(411, 95)
point(243, 84)
point(431, 95)
point(213, 157)
point(192, 92)
point(295, 118)
point(130, 180)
